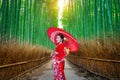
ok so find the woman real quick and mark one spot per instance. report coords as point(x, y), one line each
point(58, 57)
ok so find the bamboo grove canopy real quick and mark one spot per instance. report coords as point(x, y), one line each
point(28, 20)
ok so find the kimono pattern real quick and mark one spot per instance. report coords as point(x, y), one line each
point(59, 62)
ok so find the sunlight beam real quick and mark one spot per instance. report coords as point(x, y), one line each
point(60, 12)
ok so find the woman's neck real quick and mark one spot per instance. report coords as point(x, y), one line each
point(60, 43)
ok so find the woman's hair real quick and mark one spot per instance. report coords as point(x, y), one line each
point(62, 37)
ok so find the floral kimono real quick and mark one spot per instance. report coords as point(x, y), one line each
point(59, 62)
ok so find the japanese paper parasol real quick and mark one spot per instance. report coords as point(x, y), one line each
point(70, 41)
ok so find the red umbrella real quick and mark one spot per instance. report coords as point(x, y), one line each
point(70, 41)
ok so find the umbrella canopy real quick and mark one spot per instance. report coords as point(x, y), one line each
point(70, 41)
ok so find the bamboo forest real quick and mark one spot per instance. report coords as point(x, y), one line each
point(24, 42)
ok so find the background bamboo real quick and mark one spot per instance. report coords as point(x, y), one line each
point(27, 20)
point(95, 18)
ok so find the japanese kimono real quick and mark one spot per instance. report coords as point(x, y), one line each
point(59, 63)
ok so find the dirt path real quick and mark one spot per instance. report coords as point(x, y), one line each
point(72, 72)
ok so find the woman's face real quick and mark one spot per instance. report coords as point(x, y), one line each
point(58, 39)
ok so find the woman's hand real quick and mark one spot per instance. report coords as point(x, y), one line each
point(67, 50)
point(53, 53)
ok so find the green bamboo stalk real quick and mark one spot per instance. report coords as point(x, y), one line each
point(116, 18)
point(96, 18)
point(34, 18)
point(18, 19)
point(109, 18)
point(84, 34)
point(30, 23)
point(24, 23)
point(90, 19)
point(10, 21)
point(81, 18)
point(87, 19)
point(3, 17)
point(27, 21)
point(7, 21)
point(102, 16)
point(78, 17)
point(13, 32)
